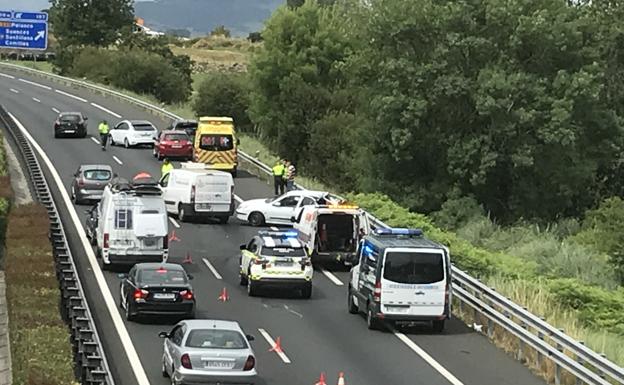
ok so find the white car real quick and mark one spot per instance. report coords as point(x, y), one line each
point(281, 209)
point(133, 133)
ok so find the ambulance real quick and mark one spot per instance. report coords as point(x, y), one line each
point(216, 144)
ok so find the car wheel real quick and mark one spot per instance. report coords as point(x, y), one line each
point(353, 309)
point(130, 316)
point(164, 369)
point(252, 288)
point(256, 219)
point(224, 220)
point(154, 152)
point(126, 143)
point(182, 216)
point(371, 321)
point(56, 135)
point(112, 141)
point(121, 296)
point(306, 291)
point(243, 279)
point(438, 326)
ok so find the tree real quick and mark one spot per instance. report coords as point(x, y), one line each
point(224, 95)
point(220, 31)
point(90, 22)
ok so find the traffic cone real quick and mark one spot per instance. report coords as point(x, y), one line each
point(277, 348)
point(341, 380)
point(321, 380)
point(173, 237)
point(188, 259)
point(224, 295)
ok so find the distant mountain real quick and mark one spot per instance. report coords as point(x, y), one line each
point(202, 16)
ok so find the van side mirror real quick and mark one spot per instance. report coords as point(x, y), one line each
point(243, 247)
point(163, 335)
point(250, 337)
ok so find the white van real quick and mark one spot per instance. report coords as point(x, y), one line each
point(131, 223)
point(331, 232)
point(195, 190)
point(401, 277)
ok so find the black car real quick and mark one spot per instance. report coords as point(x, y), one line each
point(188, 126)
point(70, 124)
point(157, 289)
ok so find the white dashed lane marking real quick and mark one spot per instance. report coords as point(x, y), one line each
point(7, 76)
point(271, 342)
point(174, 222)
point(14, 91)
point(332, 277)
point(55, 110)
point(36, 100)
point(96, 141)
point(214, 271)
point(106, 110)
point(71, 96)
point(117, 159)
point(35, 84)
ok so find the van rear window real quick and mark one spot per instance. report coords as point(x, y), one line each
point(414, 267)
point(210, 142)
point(283, 252)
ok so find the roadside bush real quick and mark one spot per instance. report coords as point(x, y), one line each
point(40, 348)
point(224, 95)
point(94, 64)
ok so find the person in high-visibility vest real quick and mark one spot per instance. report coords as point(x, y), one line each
point(104, 130)
point(166, 167)
point(278, 177)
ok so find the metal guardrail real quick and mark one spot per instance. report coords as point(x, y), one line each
point(91, 365)
point(550, 343)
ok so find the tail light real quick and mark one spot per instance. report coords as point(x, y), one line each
point(260, 261)
point(166, 242)
point(140, 294)
point(185, 360)
point(57, 123)
point(187, 294)
point(193, 194)
point(377, 292)
point(81, 182)
point(105, 241)
point(250, 363)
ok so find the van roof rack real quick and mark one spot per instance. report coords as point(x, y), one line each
point(139, 186)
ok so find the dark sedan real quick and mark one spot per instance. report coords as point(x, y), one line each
point(89, 182)
point(70, 124)
point(188, 126)
point(157, 289)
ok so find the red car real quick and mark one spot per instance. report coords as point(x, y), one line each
point(173, 144)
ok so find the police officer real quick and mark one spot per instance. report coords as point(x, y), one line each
point(278, 177)
point(104, 130)
point(166, 167)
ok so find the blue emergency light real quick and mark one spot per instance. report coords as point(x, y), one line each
point(399, 231)
point(278, 234)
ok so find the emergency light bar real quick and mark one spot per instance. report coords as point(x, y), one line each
point(399, 231)
point(345, 207)
point(278, 234)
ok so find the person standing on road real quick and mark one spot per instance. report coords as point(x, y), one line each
point(166, 167)
point(104, 130)
point(291, 172)
point(278, 177)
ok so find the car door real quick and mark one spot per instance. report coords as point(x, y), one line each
point(129, 285)
point(281, 210)
point(173, 346)
point(117, 133)
point(248, 254)
point(166, 183)
point(367, 274)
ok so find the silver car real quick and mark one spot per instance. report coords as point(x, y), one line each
point(89, 182)
point(208, 352)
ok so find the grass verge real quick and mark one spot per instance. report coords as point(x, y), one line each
point(40, 348)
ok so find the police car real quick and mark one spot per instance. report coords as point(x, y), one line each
point(401, 277)
point(276, 258)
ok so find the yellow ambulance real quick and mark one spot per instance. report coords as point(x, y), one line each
point(216, 143)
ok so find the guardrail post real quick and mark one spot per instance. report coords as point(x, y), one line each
point(540, 335)
point(557, 367)
point(521, 343)
point(580, 361)
point(601, 374)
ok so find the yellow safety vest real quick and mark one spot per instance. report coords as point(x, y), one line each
point(103, 128)
point(278, 170)
point(166, 168)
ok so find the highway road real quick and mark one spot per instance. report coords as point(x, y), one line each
point(318, 335)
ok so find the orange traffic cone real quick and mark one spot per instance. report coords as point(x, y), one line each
point(224, 295)
point(277, 348)
point(188, 259)
point(321, 380)
point(341, 380)
point(173, 237)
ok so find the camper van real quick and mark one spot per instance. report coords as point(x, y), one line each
point(401, 277)
point(195, 190)
point(331, 232)
point(131, 223)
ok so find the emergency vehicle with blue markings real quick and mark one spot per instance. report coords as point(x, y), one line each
point(277, 259)
point(401, 277)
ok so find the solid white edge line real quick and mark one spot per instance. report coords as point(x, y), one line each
point(36, 100)
point(71, 96)
point(174, 222)
point(95, 141)
point(212, 268)
point(238, 199)
point(428, 359)
point(56, 110)
point(271, 342)
point(106, 110)
point(34, 84)
point(14, 90)
point(332, 277)
point(117, 159)
point(7, 76)
point(111, 306)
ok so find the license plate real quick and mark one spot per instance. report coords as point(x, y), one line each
point(68, 131)
point(218, 364)
point(164, 296)
point(398, 309)
point(176, 146)
point(283, 262)
point(202, 206)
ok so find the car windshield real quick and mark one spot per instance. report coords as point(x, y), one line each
point(414, 267)
point(143, 127)
point(283, 251)
point(174, 137)
point(215, 339)
point(186, 126)
point(97, 174)
point(162, 277)
point(213, 142)
point(70, 118)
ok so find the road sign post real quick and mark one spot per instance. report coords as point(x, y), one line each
point(24, 30)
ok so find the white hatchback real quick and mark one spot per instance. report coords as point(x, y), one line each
point(133, 133)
